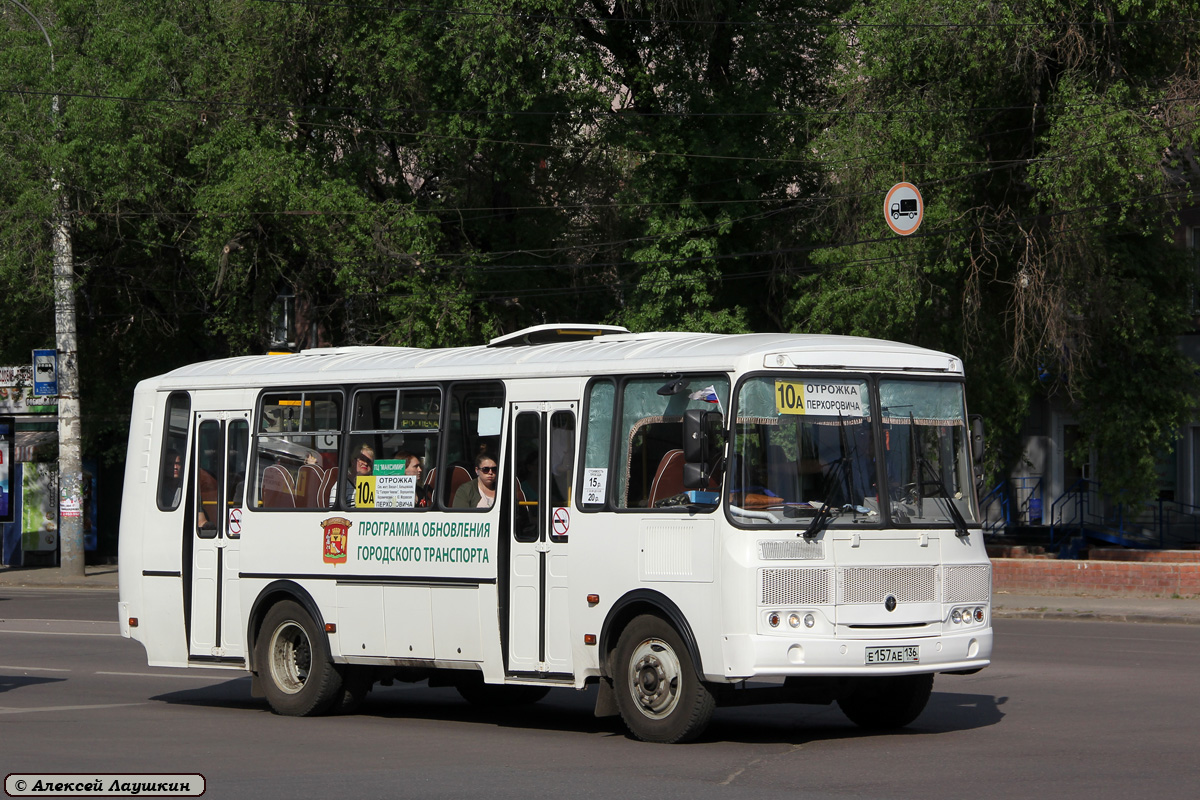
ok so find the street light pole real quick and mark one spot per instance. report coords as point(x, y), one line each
point(70, 462)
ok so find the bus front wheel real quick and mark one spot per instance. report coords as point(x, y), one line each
point(659, 694)
point(887, 702)
point(292, 656)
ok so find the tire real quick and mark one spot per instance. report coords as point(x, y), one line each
point(887, 703)
point(292, 657)
point(495, 695)
point(659, 694)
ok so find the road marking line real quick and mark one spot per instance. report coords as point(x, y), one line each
point(35, 669)
point(7, 710)
point(178, 677)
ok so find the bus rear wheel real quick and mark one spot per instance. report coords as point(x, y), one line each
point(887, 702)
point(659, 694)
point(293, 662)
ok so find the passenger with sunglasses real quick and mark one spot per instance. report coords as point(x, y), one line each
point(481, 492)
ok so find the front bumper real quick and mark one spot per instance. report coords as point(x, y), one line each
point(747, 656)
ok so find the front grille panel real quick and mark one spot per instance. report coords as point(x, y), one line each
point(968, 584)
point(874, 584)
point(791, 587)
point(790, 549)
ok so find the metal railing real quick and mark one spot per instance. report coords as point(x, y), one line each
point(1084, 510)
point(1011, 502)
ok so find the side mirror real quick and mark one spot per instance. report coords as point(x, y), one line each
point(697, 425)
point(695, 476)
point(976, 439)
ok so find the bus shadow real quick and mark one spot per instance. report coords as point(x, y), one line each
point(570, 711)
point(10, 682)
point(947, 712)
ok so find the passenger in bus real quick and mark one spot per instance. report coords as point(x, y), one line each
point(172, 485)
point(481, 492)
point(364, 464)
point(413, 466)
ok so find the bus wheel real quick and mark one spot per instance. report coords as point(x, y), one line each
point(495, 695)
point(293, 661)
point(659, 694)
point(887, 702)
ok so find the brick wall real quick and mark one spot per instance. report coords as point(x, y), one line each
point(1064, 576)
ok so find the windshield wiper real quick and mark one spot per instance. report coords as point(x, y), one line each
point(825, 513)
point(960, 524)
point(819, 522)
point(923, 467)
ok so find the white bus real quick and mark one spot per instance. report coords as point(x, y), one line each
point(686, 520)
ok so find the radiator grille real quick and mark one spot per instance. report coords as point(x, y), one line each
point(789, 587)
point(874, 584)
point(790, 550)
point(968, 584)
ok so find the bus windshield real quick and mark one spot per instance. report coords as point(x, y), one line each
point(811, 452)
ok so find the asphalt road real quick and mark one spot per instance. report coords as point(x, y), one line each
point(1069, 709)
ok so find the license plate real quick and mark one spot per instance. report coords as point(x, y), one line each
point(893, 655)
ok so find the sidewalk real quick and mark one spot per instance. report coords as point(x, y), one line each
point(100, 577)
point(1011, 605)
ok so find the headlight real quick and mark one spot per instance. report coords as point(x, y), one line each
point(956, 616)
point(794, 620)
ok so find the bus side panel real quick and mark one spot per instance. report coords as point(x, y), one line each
point(147, 545)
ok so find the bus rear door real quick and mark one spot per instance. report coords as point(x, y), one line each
point(222, 445)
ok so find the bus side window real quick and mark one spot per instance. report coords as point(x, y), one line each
point(171, 462)
point(391, 453)
point(597, 448)
point(297, 441)
point(650, 436)
point(473, 426)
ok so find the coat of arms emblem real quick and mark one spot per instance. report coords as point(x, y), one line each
point(337, 536)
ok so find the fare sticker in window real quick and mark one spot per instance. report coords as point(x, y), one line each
point(595, 481)
point(819, 397)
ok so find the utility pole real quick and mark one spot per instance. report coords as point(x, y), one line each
point(70, 461)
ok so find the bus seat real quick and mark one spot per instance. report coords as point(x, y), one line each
point(308, 486)
point(328, 487)
point(208, 497)
point(458, 477)
point(278, 488)
point(668, 478)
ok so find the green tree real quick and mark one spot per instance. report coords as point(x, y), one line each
point(1046, 138)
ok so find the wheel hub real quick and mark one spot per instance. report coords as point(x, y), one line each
point(654, 674)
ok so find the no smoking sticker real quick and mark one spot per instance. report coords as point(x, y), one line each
point(561, 522)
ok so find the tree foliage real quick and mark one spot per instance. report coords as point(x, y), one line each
point(435, 174)
point(1048, 141)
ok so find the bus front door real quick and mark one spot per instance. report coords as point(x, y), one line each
point(539, 483)
point(222, 445)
